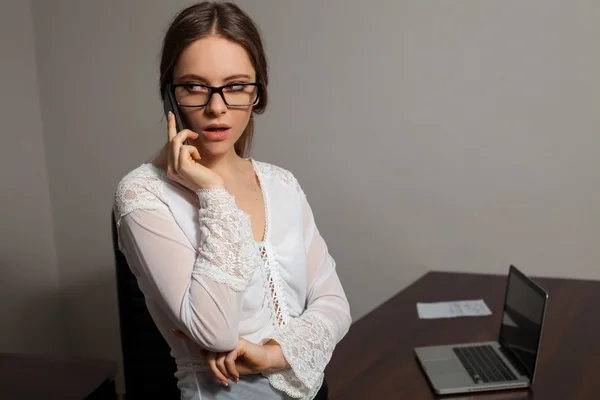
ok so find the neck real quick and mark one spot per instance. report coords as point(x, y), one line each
point(226, 165)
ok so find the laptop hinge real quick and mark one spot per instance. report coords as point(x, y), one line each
point(516, 363)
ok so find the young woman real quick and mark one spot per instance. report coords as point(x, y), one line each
point(225, 248)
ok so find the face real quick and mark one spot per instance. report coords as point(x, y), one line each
point(215, 61)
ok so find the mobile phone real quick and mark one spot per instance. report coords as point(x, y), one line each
point(170, 104)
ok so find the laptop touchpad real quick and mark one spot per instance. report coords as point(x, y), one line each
point(442, 365)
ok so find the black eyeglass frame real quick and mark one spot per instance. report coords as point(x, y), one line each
point(216, 89)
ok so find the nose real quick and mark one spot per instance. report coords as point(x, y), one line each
point(216, 105)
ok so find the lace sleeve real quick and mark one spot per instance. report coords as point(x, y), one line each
point(138, 190)
point(308, 341)
point(192, 285)
point(228, 253)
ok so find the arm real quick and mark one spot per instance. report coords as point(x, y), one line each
point(201, 290)
point(307, 342)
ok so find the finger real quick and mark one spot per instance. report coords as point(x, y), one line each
point(230, 365)
point(195, 153)
point(177, 146)
point(212, 365)
point(175, 150)
point(185, 134)
point(221, 365)
point(184, 155)
point(171, 126)
point(171, 133)
point(188, 154)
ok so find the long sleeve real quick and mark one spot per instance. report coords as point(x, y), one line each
point(308, 341)
point(201, 290)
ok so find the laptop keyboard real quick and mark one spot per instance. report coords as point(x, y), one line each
point(483, 364)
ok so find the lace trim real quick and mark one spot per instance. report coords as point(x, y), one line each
point(286, 176)
point(267, 298)
point(191, 364)
point(272, 288)
point(265, 196)
point(277, 299)
point(141, 189)
point(287, 382)
point(227, 253)
point(307, 343)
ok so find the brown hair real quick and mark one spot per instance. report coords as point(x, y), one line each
point(226, 20)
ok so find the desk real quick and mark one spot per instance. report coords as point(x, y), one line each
point(24, 376)
point(376, 360)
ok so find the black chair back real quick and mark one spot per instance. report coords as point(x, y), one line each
point(147, 363)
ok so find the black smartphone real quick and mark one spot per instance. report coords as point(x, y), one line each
point(170, 104)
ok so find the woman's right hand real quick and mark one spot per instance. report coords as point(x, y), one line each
point(183, 164)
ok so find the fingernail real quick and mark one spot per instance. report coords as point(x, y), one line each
point(169, 116)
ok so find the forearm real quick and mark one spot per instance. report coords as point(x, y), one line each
point(277, 361)
point(202, 290)
point(227, 259)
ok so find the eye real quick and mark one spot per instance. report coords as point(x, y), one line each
point(193, 88)
point(235, 87)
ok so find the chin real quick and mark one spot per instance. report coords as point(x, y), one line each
point(216, 149)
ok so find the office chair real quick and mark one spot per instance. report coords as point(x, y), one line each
point(147, 363)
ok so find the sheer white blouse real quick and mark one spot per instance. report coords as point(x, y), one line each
point(202, 272)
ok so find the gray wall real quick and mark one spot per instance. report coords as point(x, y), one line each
point(455, 136)
point(436, 135)
point(92, 55)
point(29, 286)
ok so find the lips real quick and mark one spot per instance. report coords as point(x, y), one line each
point(216, 127)
point(216, 132)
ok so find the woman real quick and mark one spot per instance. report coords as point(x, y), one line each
point(225, 248)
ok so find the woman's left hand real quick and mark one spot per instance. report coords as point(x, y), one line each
point(246, 359)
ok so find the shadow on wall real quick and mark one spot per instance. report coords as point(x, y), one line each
point(91, 312)
point(35, 323)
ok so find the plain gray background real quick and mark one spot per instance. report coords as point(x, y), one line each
point(428, 135)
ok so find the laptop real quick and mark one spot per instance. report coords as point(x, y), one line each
point(507, 363)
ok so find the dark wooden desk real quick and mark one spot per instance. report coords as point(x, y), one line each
point(376, 359)
point(55, 378)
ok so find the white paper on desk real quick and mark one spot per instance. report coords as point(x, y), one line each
point(452, 309)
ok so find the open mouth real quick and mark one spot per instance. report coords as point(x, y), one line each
point(216, 129)
point(216, 132)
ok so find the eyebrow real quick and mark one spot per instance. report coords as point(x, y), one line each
point(199, 78)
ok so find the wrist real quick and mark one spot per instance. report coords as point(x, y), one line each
point(212, 186)
point(277, 361)
point(215, 183)
point(209, 186)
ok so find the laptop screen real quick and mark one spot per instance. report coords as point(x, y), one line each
point(522, 319)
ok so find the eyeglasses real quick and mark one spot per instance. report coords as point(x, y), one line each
point(234, 94)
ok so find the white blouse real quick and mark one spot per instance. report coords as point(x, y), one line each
point(202, 272)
